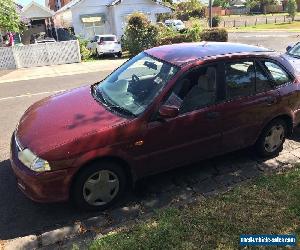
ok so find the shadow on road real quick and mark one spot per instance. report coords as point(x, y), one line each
point(20, 216)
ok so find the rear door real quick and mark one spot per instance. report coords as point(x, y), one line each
point(250, 100)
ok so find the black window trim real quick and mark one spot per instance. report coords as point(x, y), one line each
point(238, 60)
point(275, 86)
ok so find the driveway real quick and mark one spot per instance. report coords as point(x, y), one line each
point(20, 216)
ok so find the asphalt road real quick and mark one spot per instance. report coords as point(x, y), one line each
point(275, 40)
point(18, 215)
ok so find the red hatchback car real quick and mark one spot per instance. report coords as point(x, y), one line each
point(167, 107)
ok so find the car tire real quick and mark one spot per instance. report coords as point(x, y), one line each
point(89, 191)
point(119, 54)
point(272, 138)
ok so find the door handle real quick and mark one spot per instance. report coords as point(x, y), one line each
point(212, 115)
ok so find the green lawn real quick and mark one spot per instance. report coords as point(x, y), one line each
point(294, 26)
point(268, 205)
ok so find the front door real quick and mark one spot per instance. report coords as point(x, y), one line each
point(192, 135)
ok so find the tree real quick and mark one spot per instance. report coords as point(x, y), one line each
point(190, 8)
point(260, 4)
point(9, 18)
point(140, 34)
point(292, 8)
point(221, 3)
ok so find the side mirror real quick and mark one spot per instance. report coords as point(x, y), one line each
point(288, 48)
point(167, 111)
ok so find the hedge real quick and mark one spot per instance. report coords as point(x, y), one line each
point(215, 34)
point(178, 38)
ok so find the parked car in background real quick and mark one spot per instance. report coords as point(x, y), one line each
point(167, 107)
point(105, 44)
point(175, 24)
point(293, 55)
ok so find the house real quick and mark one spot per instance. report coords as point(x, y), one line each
point(39, 20)
point(56, 4)
point(94, 17)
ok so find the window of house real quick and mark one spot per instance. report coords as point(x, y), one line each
point(195, 90)
point(240, 79)
point(278, 74)
point(93, 28)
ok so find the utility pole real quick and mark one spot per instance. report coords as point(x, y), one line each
point(210, 13)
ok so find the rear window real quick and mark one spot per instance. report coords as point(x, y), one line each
point(108, 39)
point(278, 74)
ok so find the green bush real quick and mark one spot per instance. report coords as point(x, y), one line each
point(215, 34)
point(85, 53)
point(177, 38)
point(194, 33)
point(216, 20)
point(140, 34)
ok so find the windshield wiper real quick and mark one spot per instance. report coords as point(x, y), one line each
point(122, 110)
point(109, 105)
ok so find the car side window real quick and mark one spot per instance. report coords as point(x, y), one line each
point(240, 79)
point(277, 73)
point(195, 90)
point(262, 80)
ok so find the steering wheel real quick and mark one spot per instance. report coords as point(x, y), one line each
point(135, 78)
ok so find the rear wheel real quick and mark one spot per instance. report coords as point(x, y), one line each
point(119, 54)
point(98, 185)
point(270, 143)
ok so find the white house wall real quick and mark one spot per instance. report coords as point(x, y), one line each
point(88, 7)
point(128, 7)
point(115, 15)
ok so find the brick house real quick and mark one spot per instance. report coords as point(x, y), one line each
point(56, 4)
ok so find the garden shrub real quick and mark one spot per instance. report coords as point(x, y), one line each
point(215, 34)
point(177, 38)
point(140, 34)
point(84, 52)
point(216, 20)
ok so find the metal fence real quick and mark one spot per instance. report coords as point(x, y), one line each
point(39, 55)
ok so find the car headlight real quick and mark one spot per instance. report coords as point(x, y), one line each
point(33, 162)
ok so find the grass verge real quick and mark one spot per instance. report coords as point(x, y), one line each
point(268, 205)
point(294, 26)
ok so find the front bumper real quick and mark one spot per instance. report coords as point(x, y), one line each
point(51, 186)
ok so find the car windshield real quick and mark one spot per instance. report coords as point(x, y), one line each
point(179, 22)
point(133, 87)
point(295, 51)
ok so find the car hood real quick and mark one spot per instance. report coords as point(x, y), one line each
point(62, 119)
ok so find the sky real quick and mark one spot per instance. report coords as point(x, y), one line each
point(25, 2)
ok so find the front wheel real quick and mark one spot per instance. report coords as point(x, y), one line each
point(98, 186)
point(270, 142)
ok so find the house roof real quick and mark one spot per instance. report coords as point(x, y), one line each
point(68, 6)
point(116, 2)
point(113, 2)
point(47, 11)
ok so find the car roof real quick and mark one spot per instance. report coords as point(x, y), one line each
point(184, 53)
point(105, 35)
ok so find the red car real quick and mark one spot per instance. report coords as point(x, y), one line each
point(167, 107)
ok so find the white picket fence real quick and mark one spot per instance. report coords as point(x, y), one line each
point(39, 55)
